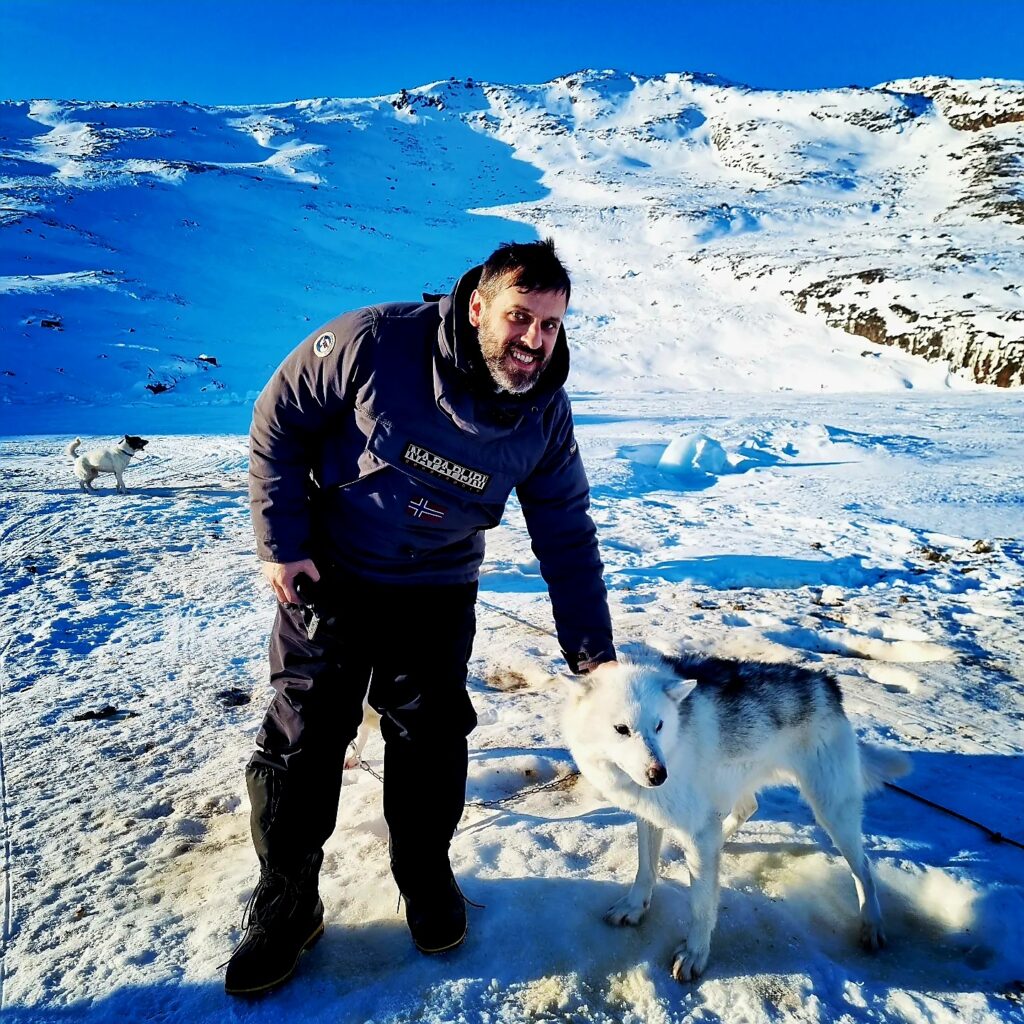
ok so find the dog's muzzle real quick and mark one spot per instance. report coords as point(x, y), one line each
point(656, 774)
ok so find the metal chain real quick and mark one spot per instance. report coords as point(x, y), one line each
point(366, 768)
point(516, 618)
point(996, 837)
point(560, 783)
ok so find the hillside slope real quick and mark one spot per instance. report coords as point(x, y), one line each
point(167, 256)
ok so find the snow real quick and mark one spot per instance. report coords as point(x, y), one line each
point(128, 859)
point(719, 237)
point(765, 485)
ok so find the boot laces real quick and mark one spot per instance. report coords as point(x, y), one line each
point(458, 889)
point(257, 916)
point(284, 895)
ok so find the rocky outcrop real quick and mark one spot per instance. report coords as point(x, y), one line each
point(949, 336)
point(968, 106)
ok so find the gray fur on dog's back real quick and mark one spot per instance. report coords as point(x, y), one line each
point(753, 696)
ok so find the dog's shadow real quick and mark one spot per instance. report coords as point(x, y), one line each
point(144, 492)
point(532, 929)
point(173, 492)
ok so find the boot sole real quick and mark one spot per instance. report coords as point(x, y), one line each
point(260, 989)
point(429, 950)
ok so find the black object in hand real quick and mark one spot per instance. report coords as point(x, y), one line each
point(307, 590)
point(308, 593)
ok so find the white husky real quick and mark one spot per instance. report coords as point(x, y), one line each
point(685, 745)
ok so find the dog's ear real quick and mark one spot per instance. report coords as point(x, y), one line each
point(679, 689)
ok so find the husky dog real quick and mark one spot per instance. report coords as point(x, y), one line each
point(111, 459)
point(686, 744)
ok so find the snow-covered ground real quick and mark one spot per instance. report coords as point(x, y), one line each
point(768, 482)
point(876, 535)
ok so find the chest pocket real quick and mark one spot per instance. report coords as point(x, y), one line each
point(436, 466)
point(412, 487)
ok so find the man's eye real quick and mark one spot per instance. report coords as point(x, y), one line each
point(622, 730)
point(518, 316)
point(551, 326)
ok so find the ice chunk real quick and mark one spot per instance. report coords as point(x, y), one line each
point(695, 455)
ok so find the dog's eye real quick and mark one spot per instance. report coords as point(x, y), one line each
point(657, 728)
point(622, 730)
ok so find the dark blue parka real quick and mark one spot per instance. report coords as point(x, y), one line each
point(381, 445)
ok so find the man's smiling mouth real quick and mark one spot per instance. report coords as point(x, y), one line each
point(524, 358)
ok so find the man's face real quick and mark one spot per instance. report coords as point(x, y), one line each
point(517, 332)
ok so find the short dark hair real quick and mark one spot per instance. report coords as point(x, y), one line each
point(531, 266)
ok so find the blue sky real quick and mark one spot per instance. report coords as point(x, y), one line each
point(256, 51)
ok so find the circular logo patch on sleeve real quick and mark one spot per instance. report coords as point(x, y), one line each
point(324, 345)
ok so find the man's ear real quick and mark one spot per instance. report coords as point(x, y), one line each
point(679, 689)
point(476, 305)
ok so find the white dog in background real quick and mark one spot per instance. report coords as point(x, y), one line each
point(686, 744)
point(111, 459)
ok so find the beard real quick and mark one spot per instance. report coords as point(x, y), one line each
point(509, 376)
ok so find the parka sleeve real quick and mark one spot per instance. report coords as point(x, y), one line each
point(555, 499)
point(305, 397)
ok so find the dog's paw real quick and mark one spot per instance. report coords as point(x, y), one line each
point(872, 937)
point(689, 960)
point(629, 910)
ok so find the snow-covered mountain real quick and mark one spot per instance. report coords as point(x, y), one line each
point(167, 255)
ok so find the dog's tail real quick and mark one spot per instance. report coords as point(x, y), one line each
point(72, 449)
point(879, 765)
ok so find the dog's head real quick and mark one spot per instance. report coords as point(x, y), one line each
point(627, 714)
point(134, 442)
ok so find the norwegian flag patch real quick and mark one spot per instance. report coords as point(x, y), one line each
point(420, 508)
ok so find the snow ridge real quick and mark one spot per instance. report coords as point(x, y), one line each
point(738, 238)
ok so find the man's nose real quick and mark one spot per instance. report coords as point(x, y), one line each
point(532, 337)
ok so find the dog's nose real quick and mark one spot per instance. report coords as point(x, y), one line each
point(656, 774)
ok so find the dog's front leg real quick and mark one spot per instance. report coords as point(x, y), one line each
point(633, 906)
point(121, 489)
point(703, 857)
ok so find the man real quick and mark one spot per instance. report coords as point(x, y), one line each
point(380, 451)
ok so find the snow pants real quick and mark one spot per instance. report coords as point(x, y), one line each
point(409, 646)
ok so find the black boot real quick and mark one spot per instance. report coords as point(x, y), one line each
point(437, 916)
point(435, 908)
point(284, 918)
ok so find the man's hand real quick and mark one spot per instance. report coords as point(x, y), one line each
point(281, 577)
point(593, 666)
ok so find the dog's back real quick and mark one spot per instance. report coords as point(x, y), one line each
point(751, 702)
